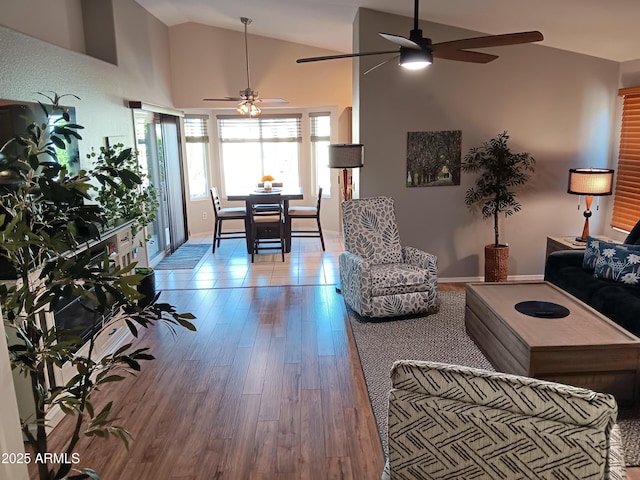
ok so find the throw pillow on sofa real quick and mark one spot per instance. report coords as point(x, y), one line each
point(618, 262)
point(593, 247)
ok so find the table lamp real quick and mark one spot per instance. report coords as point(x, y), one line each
point(346, 156)
point(589, 182)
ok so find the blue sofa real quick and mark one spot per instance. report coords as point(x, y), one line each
point(618, 301)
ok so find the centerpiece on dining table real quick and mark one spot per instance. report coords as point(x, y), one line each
point(267, 184)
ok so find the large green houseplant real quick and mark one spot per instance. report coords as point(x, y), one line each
point(125, 191)
point(44, 213)
point(127, 197)
point(500, 171)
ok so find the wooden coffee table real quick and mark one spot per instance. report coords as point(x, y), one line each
point(584, 349)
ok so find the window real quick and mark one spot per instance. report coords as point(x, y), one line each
point(253, 147)
point(197, 146)
point(320, 137)
point(626, 202)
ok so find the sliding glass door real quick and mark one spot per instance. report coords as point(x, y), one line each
point(160, 156)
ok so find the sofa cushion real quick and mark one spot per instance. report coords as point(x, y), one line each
point(634, 235)
point(620, 263)
point(578, 282)
point(398, 278)
point(620, 303)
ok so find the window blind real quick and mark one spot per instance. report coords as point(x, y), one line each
point(267, 128)
point(320, 126)
point(195, 129)
point(626, 202)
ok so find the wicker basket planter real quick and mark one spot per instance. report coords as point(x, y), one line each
point(496, 263)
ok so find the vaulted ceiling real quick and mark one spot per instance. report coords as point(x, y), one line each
point(592, 27)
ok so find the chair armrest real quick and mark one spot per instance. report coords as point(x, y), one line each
point(561, 259)
point(355, 280)
point(420, 259)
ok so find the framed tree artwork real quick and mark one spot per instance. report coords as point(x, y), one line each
point(433, 158)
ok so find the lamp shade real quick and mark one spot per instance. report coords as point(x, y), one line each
point(590, 181)
point(346, 155)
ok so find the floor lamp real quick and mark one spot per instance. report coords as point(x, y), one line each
point(346, 156)
point(589, 182)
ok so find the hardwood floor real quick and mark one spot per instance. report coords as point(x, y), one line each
point(269, 387)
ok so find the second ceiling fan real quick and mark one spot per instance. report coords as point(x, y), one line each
point(417, 51)
point(248, 98)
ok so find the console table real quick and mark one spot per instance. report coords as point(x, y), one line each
point(120, 245)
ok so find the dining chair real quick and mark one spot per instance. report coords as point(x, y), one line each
point(220, 214)
point(298, 212)
point(266, 215)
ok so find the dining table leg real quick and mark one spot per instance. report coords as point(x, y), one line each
point(287, 227)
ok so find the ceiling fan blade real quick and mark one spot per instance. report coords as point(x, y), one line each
point(345, 55)
point(225, 99)
point(490, 41)
point(464, 56)
point(273, 100)
point(381, 64)
point(397, 39)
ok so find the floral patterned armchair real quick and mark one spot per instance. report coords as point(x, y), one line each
point(379, 277)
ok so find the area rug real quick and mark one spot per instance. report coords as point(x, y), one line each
point(186, 256)
point(440, 338)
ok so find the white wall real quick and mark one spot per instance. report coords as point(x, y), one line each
point(209, 62)
point(559, 106)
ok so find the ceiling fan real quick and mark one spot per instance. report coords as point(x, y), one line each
point(417, 51)
point(248, 98)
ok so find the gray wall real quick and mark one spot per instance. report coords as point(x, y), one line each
point(559, 106)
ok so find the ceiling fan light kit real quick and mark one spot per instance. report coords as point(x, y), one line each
point(417, 52)
point(412, 59)
point(249, 108)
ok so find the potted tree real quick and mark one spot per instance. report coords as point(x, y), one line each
point(500, 170)
point(43, 217)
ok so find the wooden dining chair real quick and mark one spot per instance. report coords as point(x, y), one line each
point(220, 214)
point(266, 217)
point(298, 212)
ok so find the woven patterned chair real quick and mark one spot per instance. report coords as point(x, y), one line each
point(452, 422)
point(378, 276)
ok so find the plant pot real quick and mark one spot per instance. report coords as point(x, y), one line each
point(147, 286)
point(496, 263)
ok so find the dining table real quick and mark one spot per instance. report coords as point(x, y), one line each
point(286, 194)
